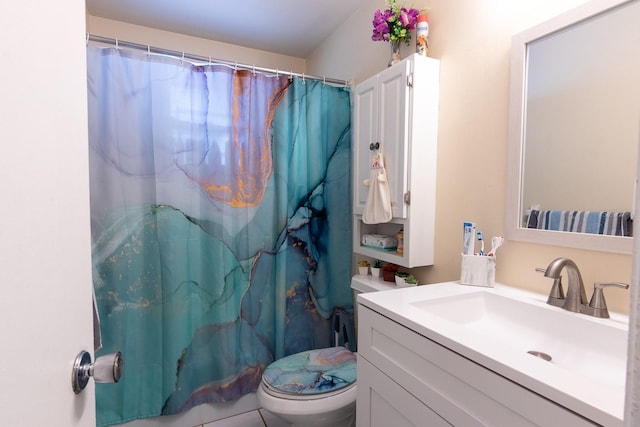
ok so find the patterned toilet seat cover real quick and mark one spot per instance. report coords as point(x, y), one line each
point(312, 372)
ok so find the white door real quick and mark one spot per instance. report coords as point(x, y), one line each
point(45, 260)
point(380, 109)
point(365, 132)
point(393, 108)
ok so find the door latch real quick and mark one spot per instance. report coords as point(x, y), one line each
point(106, 369)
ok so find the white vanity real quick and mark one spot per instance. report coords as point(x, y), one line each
point(449, 354)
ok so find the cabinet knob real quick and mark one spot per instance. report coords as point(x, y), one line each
point(375, 146)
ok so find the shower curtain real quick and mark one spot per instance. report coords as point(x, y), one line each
point(220, 215)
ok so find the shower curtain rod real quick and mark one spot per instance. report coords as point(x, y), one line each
point(209, 60)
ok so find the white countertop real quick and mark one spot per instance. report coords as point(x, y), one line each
point(599, 401)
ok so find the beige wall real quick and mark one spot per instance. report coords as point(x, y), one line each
point(193, 45)
point(472, 39)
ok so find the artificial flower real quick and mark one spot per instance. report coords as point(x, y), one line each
point(394, 23)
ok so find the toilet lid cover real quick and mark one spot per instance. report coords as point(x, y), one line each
point(312, 372)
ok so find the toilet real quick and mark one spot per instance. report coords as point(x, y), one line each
point(317, 388)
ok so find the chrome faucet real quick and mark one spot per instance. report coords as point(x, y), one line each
point(576, 298)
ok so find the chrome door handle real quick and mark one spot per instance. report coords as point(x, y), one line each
point(106, 369)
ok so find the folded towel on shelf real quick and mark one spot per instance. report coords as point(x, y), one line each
point(606, 223)
point(558, 220)
point(588, 222)
point(380, 241)
point(591, 222)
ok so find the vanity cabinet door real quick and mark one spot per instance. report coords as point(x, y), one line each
point(383, 403)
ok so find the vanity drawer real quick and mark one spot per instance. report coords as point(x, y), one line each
point(459, 390)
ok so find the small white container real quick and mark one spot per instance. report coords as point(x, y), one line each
point(478, 270)
point(376, 271)
point(363, 270)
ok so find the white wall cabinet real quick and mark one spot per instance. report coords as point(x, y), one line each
point(398, 109)
point(407, 379)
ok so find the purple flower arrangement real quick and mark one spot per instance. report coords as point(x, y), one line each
point(394, 23)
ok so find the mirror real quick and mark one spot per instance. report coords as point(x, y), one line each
point(575, 128)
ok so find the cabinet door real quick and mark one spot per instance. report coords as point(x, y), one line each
point(393, 110)
point(365, 131)
point(383, 403)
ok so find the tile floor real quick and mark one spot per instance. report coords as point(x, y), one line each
point(259, 418)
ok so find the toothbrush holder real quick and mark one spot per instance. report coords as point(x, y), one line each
point(478, 270)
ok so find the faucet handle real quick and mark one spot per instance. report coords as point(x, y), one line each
point(556, 295)
point(598, 304)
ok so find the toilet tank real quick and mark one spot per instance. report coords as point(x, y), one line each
point(363, 284)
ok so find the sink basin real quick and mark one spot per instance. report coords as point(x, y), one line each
point(590, 349)
point(572, 359)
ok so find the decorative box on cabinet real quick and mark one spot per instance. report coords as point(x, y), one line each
point(398, 109)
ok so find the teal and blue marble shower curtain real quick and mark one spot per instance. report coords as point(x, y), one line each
point(220, 212)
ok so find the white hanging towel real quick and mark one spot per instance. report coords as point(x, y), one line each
point(377, 209)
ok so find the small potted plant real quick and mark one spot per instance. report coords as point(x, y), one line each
point(410, 281)
point(389, 272)
point(376, 267)
point(363, 267)
point(400, 278)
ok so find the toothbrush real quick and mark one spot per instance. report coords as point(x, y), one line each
point(481, 240)
point(496, 242)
